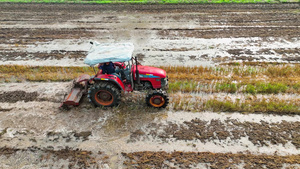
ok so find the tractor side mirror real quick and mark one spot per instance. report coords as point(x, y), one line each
point(94, 43)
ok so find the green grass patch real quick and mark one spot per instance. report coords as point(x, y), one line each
point(267, 88)
point(226, 87)
point(184, 86)
point(219, 106)
point(253, 88)
point(270, 106)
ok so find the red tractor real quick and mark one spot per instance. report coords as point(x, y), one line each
point(106, 89)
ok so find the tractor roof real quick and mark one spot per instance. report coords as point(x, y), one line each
point(109, 52)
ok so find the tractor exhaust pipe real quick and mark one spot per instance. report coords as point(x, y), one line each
point(138, 85)
point(137, 74)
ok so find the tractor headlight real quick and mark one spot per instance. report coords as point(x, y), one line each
point(164, 82)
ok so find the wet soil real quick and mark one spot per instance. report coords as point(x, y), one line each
point(260, 134)
point(54, 54)
point(76, 158)
point(1, 109)
point(174, 33)
point(149, 159)
point(55, 136)
point(19, 95)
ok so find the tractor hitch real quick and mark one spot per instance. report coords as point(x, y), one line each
point(79, 88)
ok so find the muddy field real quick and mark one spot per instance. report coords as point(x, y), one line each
point(176, 34)
point(34, 133)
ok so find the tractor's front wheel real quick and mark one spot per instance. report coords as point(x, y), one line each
point(104, 94)
point(157, 99)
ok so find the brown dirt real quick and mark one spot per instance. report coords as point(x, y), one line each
point(76, 158)
point(259, 134)
point(2, 109)
point(149, 159)
point(15, 96)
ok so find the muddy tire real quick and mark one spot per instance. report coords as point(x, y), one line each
point(157, 99)
point(104, 94)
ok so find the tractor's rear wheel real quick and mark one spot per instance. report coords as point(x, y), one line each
point(157, 99)
point(104, 94)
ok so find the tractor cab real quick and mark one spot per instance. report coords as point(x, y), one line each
point(120, 54)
